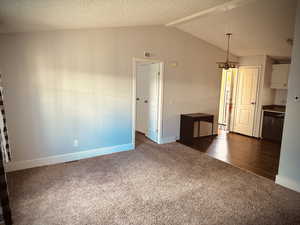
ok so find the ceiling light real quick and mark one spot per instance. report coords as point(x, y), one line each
point(227, 64)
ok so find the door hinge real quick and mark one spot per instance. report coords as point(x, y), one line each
point(158, 73)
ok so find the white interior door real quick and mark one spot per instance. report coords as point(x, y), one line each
point(246, 100)
point(141, 120)
point(151, 102)
point(148, 100)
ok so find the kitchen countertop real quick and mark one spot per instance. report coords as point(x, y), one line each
point(274, 108)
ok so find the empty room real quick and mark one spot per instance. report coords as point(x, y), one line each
point(135, 112)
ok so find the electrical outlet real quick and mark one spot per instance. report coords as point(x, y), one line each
point(75, 143)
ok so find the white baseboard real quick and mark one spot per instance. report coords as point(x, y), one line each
point(20, 165)
point(288, 183)
point(167, 140)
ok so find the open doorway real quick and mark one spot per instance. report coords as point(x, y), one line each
point(238, 100)
point(148, 91)
point(225, 119)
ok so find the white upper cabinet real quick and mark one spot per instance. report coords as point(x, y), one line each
point(280, 75)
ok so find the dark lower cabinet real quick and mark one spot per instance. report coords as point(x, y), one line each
point(272, 126)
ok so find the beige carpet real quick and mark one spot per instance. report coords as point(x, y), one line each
point(156, 184)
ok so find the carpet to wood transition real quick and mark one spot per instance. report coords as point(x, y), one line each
point(156, 184)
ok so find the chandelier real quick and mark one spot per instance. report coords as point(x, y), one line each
point(227, 64)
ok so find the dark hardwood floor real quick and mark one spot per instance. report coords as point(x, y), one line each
point(258, 156)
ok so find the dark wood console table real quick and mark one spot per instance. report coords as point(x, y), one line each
point(187, 126)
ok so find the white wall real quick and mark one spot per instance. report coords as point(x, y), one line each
point(289, 166)
point(268, 94)
point(280, 97)
point(258, 60)
point(77, 84)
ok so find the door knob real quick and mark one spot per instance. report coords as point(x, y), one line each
point(137, 99)
point(253, 103)
point(146, 101)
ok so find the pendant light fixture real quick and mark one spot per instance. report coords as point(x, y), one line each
point(227, 64)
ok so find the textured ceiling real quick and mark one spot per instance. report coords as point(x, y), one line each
point(258, 28)
point(31, 15)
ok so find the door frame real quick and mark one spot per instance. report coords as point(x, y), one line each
point(135, 61)
point(258, 100)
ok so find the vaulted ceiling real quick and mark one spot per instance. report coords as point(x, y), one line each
point(31, 15)
point(258, 26)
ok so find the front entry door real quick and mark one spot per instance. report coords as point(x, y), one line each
point(246, 100)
